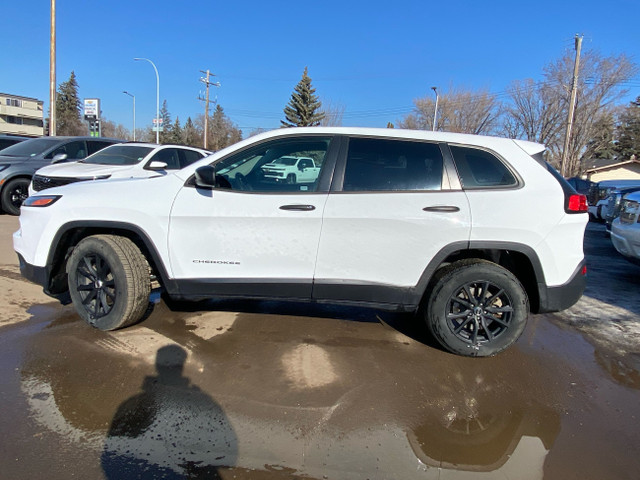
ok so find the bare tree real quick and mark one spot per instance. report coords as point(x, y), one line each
point(459, 110)
point(115, 130)
point(222, 131)
point(538, 111)
point(333, 113)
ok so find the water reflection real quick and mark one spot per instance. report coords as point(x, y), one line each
point(479, 426)
point(170, 430)
point(318, 398)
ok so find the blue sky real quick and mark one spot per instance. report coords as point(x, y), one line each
point(373, 57)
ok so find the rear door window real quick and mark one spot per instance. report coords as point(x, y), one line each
point(481, 169)
point(95, 145)
point(187, 157)
point(392, 165)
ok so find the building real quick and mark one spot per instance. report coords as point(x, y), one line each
point(21, 115)
point(626, 170)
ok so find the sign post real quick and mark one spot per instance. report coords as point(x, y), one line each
point(92, 115)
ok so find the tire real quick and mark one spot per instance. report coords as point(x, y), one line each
point(476, 308)
point(109, 281)
point(291, 179)
point(14, 193)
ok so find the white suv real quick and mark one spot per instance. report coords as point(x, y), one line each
point(472, 232)
point(291, 170)
point(124, 160)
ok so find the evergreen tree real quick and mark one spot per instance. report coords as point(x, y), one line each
point(176, 133)
point(68, 108)
point(629, 132)
point(166, 135)
point(303, 109)
point(601, 145)
point(190, 135)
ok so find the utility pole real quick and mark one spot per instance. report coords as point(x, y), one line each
point(572, 105)
point(435, 110)
point(52, 72)
point(207, 82)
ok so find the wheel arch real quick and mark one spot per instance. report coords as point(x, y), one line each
point(70, 234)
point(519, 259)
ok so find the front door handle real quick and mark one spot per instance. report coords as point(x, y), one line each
point(442, 208)
point(300, 208)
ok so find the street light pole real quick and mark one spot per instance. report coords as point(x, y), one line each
point(435, 110)
point(157, 98)
point(52, 72)
point(134, 112)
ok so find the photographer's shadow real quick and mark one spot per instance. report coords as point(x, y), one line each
point(170, 430)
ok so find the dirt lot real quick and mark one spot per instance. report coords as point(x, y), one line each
point(269, 390)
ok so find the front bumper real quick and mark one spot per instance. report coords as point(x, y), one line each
point(626, 240)
point(38, 275)
point(555, 299)
point(42, 276)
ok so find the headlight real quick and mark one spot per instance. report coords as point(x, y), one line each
point(41, 200)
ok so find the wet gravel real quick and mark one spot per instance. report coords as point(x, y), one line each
point(259, 390)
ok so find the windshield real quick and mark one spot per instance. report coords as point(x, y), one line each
point(119, 155)
point(31, 148)
point(285, 161)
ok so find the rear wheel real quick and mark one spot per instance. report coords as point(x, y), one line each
point(476, 308)
point(14, 193)
point(109, 281)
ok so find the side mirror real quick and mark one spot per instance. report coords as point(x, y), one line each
point(301, 168)
point(60, 157)
point(206, 177)
point(157, 165)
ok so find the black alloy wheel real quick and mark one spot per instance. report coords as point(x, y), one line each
point(95, 286)
point(479, 312)
point(15, 192)
point(109, 281)
point(476, 308)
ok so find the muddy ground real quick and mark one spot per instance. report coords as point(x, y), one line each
point(262, 390)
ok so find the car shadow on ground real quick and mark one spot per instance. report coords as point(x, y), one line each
point(409, 324)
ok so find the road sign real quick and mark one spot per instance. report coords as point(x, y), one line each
point(92, 107)
point(157, 129)
point(157, 120)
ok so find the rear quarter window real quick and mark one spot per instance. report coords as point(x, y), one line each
point(481, 169)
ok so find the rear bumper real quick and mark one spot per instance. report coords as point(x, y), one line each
point(554, 299)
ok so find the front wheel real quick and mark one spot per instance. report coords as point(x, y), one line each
point(476, 308)
point(109, 281)
point(291, 179)
point(14, 193)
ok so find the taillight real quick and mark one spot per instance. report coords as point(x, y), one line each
point(577, 204)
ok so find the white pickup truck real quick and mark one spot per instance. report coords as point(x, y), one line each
point(292, 170)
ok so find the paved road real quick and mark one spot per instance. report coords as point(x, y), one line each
point(266, 390)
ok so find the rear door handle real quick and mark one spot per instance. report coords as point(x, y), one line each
point(300, 208)
point(442, 208)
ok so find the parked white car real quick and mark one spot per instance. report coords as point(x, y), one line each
point(126, 160)
point(470, 232)
point(625, 230)
point(292, 170)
